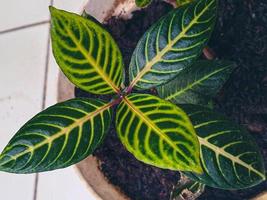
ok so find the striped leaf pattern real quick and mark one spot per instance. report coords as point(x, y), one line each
point(229, 156)
point(197, 84)
point(142, 3)
point(58, 137)
point(86, 53)
point(172, 44)
point(158, 133)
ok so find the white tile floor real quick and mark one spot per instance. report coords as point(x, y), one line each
point(26, 65)
point(15, 13)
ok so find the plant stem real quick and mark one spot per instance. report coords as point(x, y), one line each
point(208, 53)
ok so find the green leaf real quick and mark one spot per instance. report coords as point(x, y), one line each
point(158, 133)
point(229, 156)
point(183, 2)
point(142, 3)
point(187, 189)
point(86, 53)
point(58, 137)
point(197, 84)
point(172, 44)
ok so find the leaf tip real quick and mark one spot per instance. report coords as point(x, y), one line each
point(52, 9)
point(264, 177)
point(194, 168)
point(2, 161)
point(198, 169)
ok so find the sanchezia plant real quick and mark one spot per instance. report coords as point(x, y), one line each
point(175, 130)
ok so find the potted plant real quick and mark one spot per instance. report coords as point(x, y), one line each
point(178, 133)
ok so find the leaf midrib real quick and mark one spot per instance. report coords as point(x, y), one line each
point(158, 57)
point(234, 159)
point(93, 62)
point(190, 86)
point(153, 126)
point(63, 131)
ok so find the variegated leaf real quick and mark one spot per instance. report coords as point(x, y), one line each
point(172, 44)
point(86, 53)
point(229, 156)
point(197, 84)
point(58, 137)
point(158, 133)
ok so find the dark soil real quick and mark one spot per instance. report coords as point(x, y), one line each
point(240, 36)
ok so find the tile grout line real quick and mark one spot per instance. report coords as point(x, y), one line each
point(46, 70)
point(35, 194)
point(24, 27)
point(35, 186)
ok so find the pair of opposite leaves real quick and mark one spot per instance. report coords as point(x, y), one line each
point(155, 131)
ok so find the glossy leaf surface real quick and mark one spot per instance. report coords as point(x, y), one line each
point(58, 137)
point(86, 53)
point(197, 84)
point(172, 44)
point(158, 133)
point(142, 3)
point(229, 156)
